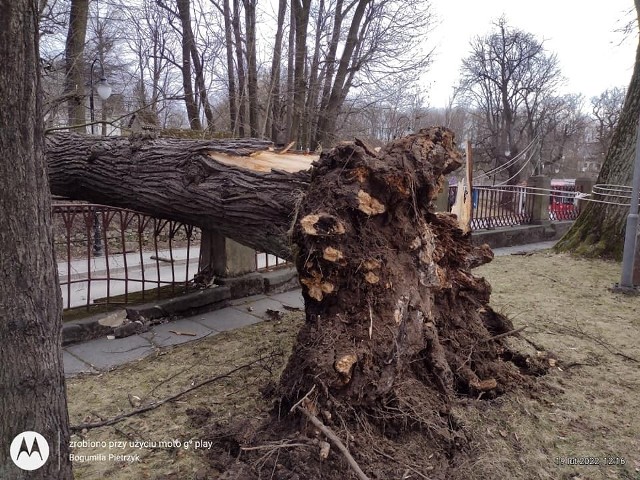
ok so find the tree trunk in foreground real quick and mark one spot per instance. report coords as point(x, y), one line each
point(182, 180)
point(32, 387)
point(599, 230)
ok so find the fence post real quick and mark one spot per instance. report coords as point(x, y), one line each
point(540, 209)
point(583, 185)
point(223, 257)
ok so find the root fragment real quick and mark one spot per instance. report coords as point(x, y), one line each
point(336, 441)
point(344, 366)
point(371, 277)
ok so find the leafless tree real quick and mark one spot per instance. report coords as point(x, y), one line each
point(606, 109)
point(382, 39)
point(507, 78)
point(74, 58)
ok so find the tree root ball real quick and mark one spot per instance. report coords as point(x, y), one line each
point(387, 280)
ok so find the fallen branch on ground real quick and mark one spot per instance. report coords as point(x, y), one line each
point(510, 333)
point(153, 406)
point(335, 440)
point(579, 331)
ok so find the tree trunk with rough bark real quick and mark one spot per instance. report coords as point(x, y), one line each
point(32, 385)
point(189, 97)
point(181, 180)
point(599, 230)
point(74, 63)
point(275, 117)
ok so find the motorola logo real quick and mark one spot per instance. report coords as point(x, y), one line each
point(29, 450)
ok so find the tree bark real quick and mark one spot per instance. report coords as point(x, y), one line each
point(179, 180)
point(599, 230)
point(184, 9)
point(225, 10)
point(301, 10)
point(252, 64)
point(242, 82)
point(74, 63)
point(291, 49)
point(32, 385)
point(189, 98)
point(276, 118)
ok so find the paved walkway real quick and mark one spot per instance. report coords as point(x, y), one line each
point(103, 354)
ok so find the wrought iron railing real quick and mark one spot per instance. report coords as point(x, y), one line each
point(107, 255)
point(511, 205)
point(500, 206)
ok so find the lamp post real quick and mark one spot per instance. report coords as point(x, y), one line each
point(102, 87)
point(104, 91)
point(631, 231)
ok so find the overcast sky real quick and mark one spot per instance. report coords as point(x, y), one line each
point(592, 55)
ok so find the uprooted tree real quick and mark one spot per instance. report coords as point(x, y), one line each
point(396, 324)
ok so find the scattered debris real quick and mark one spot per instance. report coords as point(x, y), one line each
point(188, 334)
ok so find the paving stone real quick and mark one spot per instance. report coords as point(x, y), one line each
point(245, 300)
point(73, 366)
point(226, 319)
point(161, 335)
point(292, 298)
point(104, 353)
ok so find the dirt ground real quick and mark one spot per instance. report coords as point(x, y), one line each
point(583, 411)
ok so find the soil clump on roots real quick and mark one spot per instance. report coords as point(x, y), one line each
point(397, 327)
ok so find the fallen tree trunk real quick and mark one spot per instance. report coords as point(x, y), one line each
point(183, 180)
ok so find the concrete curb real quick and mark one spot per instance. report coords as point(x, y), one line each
point(521, 235)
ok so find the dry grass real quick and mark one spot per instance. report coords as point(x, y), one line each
point(94, 397)
point(586, 407)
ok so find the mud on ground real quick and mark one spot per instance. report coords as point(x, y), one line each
point(583, 411)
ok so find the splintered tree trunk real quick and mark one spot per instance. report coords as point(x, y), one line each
point(395, 322)
point(182, 180)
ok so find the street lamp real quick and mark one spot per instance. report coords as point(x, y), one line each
point(104, 91)
point(102, 87)
point(631, 231)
